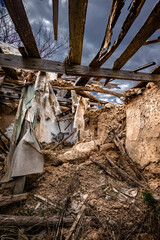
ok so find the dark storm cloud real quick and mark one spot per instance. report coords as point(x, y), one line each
point(96, 21)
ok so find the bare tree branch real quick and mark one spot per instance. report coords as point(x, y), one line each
point(47, 46)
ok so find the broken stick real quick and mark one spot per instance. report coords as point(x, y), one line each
point(122, 172)
point(43, 199)
point(11, 220)
point(129, 160)
point(13, 198)
point(64, 139)
point(70, 232)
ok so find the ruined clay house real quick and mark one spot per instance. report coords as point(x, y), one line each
point(71, 165)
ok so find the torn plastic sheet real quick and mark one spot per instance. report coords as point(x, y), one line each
point(27, 158)
point(24, 104)
point(79, 122)
point(46, 105)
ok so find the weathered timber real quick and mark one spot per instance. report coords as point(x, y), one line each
point(22, 25)
point(12, 199)
point(12, 220)
point(148, 42)
point(144, 66)
point(9, 60)
point(86, 94)
point(134, 12)
point(149, 27)
point(55, 18)
point(116, 8)
point(90, 89)
point(77, 18)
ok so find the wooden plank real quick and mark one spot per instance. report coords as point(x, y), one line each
point(116, 8)
point(9, 60)
point(22, 25)
point(55, 18)
point(149, 27)
point(148, 42)
point(77, 18)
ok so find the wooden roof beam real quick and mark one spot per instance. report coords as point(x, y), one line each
point(116, 8)
point(9, 60)
point(141, 84)
point(77, 18)
point(149, 27)
point(55, 18)
point(90, 89)
point(134, 12)
point(22, 25)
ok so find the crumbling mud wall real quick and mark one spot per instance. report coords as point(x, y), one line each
point(143, 128)
point(110, 119)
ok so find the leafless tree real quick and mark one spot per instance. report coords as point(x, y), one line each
point(44, 36)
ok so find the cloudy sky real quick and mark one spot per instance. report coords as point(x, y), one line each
point(97, 17)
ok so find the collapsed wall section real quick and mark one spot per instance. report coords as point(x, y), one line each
point(143, 128)
point(111, 118)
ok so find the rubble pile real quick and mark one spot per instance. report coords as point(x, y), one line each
point(91, 190)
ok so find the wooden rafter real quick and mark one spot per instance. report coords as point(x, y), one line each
point(134, 12)
point(141, 84)
point(148, 42)
point(116, 8)
point(55, 18)
point(22, 25)
point(144, 66)
point(77, 18)
point(149, 27)
point(91, 89)
point(9, 60)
